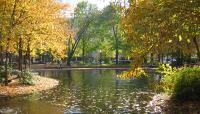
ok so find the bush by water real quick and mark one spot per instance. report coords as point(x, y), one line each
point(183, 83)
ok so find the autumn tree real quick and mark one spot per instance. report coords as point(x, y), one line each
point(29, 26)
point(161, 26)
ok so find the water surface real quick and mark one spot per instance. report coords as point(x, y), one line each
point(84, 91)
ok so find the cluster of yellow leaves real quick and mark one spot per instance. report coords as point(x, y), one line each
point(40, 24)
point(137, 72)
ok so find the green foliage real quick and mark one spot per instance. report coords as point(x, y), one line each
point(183, 83)
point(2, 72)
point(104, 31)
point(187, 86)
point(107, 60)
point(10, 69)
point(26, 77)
point(168, 77)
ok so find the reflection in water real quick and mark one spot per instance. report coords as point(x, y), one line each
point(87, 91)
point(69, 78)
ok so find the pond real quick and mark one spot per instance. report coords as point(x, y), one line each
point(84, 91)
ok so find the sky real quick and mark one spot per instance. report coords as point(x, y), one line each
point(100, 3)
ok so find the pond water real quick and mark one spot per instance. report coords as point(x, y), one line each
point(84, 91)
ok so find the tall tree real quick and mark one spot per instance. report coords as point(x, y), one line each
point(81, 21)
point(32, 25)
point(153, 26)
point(112, 31)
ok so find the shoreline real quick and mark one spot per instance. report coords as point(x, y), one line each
point(39, 67)
point(80, 69)
point(16, 89)
point(56, 66)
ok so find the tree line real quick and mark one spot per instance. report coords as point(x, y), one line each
point(29, 27)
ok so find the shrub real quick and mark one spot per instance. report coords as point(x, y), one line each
point(2, 72)
point(183, 83)
point(187, 86)
point(1, 75)
point(26, 77)
point(107, 60)
point(168, 77)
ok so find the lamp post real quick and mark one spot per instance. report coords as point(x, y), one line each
point(100, 57)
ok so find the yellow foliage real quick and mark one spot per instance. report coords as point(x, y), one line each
point(160, 26)
point(40, 24)
point(136, 72)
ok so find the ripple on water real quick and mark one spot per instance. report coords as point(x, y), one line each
point(73, 110)
point(8, 110)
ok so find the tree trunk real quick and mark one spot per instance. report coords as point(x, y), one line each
point(25, 62)
point(20, 59)
point(159, 57)
point(83, 51)
point(68, 52)
point(29, 57)
point(6, 68)
point(197, 47)
point(116, 45)
point(179, 58)
point(189, 59)
point(77, 40)
point(162, 58)
point(6, 62)
point(8, 41)
point(68, 61)
point(100, 58)
point(145, 59)
point(10, 59)
point(1, 55)
point(117, 56)
point(152, 60)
